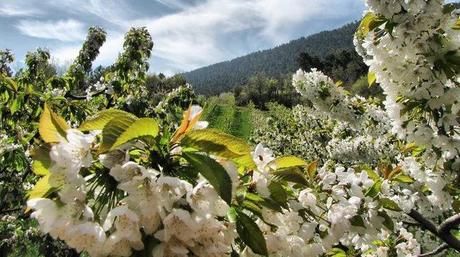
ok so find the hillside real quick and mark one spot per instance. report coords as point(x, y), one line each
point(220, 77)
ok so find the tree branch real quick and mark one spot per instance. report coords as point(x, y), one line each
point(424, 222)
point(442, 231)
point(438, 250)
point(449, 224)
point(82, 97)
point(10, 210)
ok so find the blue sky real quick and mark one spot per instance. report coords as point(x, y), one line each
point(187, 33)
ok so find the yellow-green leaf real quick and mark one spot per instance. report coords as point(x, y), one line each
point(41, 189)
point(41, 160)
point(336, 252)
point(389, 204)
point(368, 23)
point(246, 162)
point(371, 79)
point(98, 121)
point(52, 127)
point(215, 142)
point(9, 83)
point(293, 175)
point(139, 128)
point(113, 130)
point(403, 178)
point(15, 105)
point(456, 26)
point(374, 190)
point(287, 162)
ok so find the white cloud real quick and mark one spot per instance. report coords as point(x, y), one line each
point(191, 37)
point(63, 30)
point(65, 55)
point(9, 10)
point(177, 4)
point(194, 34)
point(116, 12)
point(110, 50)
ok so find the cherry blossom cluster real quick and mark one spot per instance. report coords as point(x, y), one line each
point(412, 49)
point(149, 203)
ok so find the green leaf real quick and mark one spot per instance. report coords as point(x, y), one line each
point(9, 83)
point(456, 26)
point(456, 233)
point(215, 142)
point(371, 79)
point(404, 179)
point(253, 197)
point(232, 215)
point(139, 128)
point(388, 222)
point(368, 24)
point(41, 160)
point(42, 188)
point(374, 190)
point(290, 175)
point(271, 204)
point(357, 221)
point(278, 193)
point(213, 172)
point(52, 127)
point(336, 252)
point(266, 202)
point(250, 234)
point(456, 205)
point(113, 130)
point(15, 105)
point(245, 161)
point(389, 204)
point(287, 162)
point(251, 206)
point(372, 174)
point(98, 121)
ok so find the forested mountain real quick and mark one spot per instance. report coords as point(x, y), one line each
point(274, 62)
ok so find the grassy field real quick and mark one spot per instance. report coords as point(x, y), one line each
point(229, 119)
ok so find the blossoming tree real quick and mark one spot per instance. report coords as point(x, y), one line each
point(382, 182)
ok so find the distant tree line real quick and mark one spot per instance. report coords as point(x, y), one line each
point(262, 89)
point(274, 63)
point(345, 65)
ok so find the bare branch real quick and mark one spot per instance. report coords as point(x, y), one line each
point(436, 251)
point(443, 231)
point(10, 210)
point(82, 97)
point(424, 222)
point(449, 224)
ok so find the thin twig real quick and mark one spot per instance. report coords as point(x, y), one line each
point(10, 210)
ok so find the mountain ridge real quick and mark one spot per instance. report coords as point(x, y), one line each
point(275, 62)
